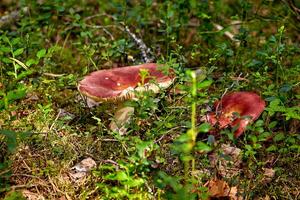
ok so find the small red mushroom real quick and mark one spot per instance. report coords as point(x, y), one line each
point(120, 83)
point(236, 109)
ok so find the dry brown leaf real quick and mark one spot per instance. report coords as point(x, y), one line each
point(121, 119)
point(32, 196)
point(82, 169)
point(269, 173)
point(219, 188)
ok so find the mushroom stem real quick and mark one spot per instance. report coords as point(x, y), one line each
point(122, 118)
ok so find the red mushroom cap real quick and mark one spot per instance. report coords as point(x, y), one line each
point(120, 83)
point(237, 109)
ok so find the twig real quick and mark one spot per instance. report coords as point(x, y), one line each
point(56, 118)
point(141, 45)
point(12, 17)
point(4, 172)
point(294, 8)
point(112, 162)
point(227, 34)
point(167, 132)
point(14, 187)
point(53, 75)
point(109, 140)
point(104, 29)
point(139, 42)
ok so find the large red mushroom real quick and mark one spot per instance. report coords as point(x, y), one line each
point(122, 83)
point(236, 109)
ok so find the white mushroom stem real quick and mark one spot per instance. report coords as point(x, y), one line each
point(122, 118)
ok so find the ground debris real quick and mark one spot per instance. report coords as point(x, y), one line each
point(269, 174)
point(32, 196)
point(227, 161)
point(220, 189)
point(82, 169)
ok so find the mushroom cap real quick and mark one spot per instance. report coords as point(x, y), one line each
point(237, 109)
point(120, 83)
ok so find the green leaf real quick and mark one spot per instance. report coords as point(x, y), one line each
point(5, 49)
point(134, 182)
point(15, 195)
point(15, 41)
point(259, 123)
point(18, 51)
point(201, 146)
point(24, 74)
point(263, 136)
point(204, 84)
point(204, 128)
point(6, 60)
point(272, 148)
point(41, 53)
point(272, 124)
point(5, 39)
point(16, 94)
point(11, 139)
point(281, 29)
point(278, 137)
point(31, 62)
point(121, 176)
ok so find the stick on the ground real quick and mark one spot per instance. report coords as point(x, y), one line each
point(141, 45)
point(227, 34)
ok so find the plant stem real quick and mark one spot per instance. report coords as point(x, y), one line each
point(193, 117)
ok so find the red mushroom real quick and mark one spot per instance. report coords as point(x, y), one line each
point(120, 83)
point(237, 109)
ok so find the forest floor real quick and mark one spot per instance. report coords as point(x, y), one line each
point(57, 144)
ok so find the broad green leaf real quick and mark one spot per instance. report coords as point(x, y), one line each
point(272, 148)
point(278, 137)
point(134, 182)
point(203, 147)
point(204, 128)
point(41, 53)
point(5, 39)
point(31, 62)
point(204, 84)
point(15, 41)
point(5, 49)
point(272, 124)
point(24, 74)
point(18, 51)
point(6, 60)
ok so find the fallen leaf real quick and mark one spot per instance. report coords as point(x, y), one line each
point(220, 189)
point(32, 196)
point(82, 169)
point(269, 173)
point(62, 113)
